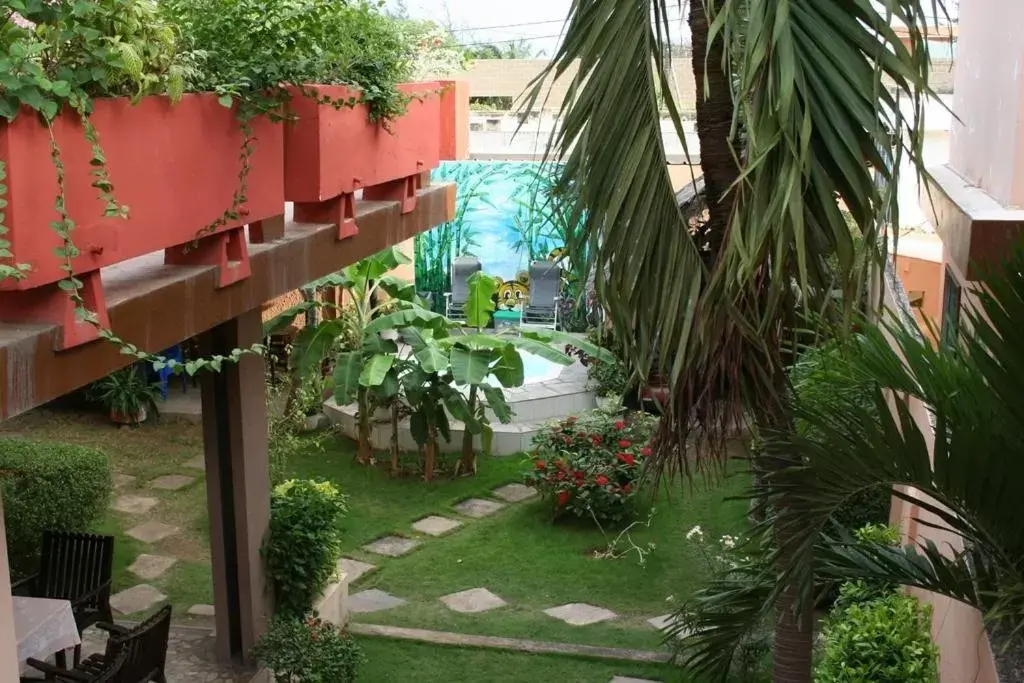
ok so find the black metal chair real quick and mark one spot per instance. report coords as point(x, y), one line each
point(76, 567)
point(114, 673)
point(144, 647)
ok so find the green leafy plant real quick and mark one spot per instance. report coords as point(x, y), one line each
point(308, 650)
point(286, 435)
point(127, 394)
point(886, 640)
point(304, 542)
point(293, 44)
point(590, 466)
point(55, 486)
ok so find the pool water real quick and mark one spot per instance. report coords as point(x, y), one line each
point(535, 369)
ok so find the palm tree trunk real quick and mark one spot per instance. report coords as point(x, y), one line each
point(792, 649)
point(714, 122)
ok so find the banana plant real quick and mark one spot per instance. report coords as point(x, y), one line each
point(368, 371)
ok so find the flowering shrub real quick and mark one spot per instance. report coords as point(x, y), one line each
point(589, 466)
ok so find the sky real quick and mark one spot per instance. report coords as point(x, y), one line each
point(471, 20)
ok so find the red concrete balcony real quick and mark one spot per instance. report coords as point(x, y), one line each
point(178, 170)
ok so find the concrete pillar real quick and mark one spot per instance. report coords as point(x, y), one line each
point(8, 640)
point(237, 485)
point(987, 145)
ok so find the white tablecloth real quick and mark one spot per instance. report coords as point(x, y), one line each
point(43, 627)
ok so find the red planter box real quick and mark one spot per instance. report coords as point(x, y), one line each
point(330, 153)
point(174, 165)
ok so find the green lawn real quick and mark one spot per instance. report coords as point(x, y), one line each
point(522, 556)
point(518, 553)
point(390, 661)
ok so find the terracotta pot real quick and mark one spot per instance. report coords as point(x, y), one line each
point(330, 153)
point(127, 418)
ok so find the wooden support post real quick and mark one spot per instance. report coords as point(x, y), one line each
point(237, 485)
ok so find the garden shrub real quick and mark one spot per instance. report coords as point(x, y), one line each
point(886, 640)
point(308, 650)
point(304, 542)
point(55, 486)
point(589, 466)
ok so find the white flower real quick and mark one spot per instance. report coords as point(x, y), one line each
point(21, 21)
point(728, 542)
point(695, 532)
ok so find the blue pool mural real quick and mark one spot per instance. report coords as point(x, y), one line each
point(506, 217)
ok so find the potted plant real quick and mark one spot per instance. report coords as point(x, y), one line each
point(99, 140)
point(333, 70)
point(610, 381)
point(128, 395)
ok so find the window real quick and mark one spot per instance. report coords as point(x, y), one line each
point(950, 308)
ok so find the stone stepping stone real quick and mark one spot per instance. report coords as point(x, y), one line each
point(663, 622)
point(514, 493)
point(171, 482)
point(580, 614)
point(478, 507)
point(472, 601)
point(149, 567)
point(201, 610)
point(372, 600)
point(353, 569)
point(151, 532)
point(136, 599)
point(627, 679)
point(435, 525)
point(196, 463)
point(133, 505)
point(391, 546)
point(123, 480)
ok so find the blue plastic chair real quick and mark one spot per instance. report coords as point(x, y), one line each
point(165, 374)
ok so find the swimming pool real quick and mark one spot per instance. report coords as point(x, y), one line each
point(535, 369)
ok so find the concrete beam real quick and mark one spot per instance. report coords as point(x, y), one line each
point(156, 306)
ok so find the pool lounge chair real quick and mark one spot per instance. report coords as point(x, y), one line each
point(545, 285)
point(455, 300)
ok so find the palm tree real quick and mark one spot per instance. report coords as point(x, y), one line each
point(799, 102)
point(973, 390)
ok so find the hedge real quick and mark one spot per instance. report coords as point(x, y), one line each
point(54, 486)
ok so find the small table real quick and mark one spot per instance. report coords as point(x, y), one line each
point(505, 319)
point(43, 627)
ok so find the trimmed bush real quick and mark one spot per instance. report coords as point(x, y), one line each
point(308, 651)
point(886, 640)
point(55, 486)
point(302, 549)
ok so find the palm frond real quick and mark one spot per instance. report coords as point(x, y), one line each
point(968, 484)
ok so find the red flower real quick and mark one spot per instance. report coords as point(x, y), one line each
point(563, 498)
point(646, 451)
point(581, 434)
point(596, 438)
point(560, 475)
point(620, 425)
point(540, 464)
point(627, 488)
point(577, 474)
point(601, 480)
point(626, 458)
point(625, 443)
point(568, 441)
point(571, 420)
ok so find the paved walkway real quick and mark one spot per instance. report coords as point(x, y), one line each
point(190, 657)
